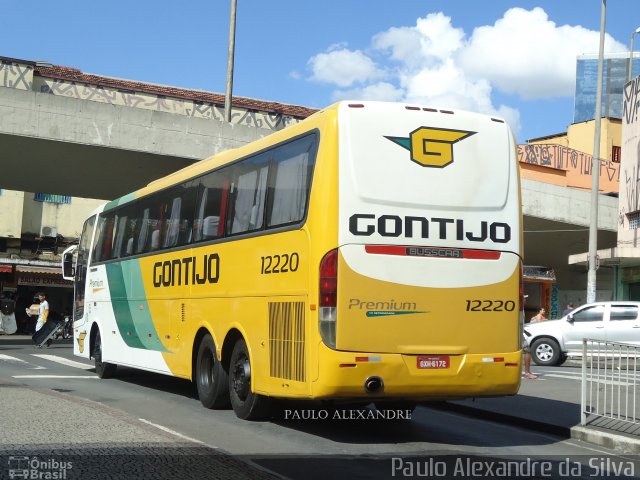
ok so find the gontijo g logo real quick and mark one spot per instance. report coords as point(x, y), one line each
point(432, 147)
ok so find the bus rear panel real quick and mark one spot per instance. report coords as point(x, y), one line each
point(426, 289)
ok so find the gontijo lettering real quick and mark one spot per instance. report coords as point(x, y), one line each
point(187, 271)
point(362, 224)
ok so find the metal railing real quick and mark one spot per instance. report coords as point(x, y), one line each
point(610, 385)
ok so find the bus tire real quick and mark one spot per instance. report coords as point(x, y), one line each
point(103, 369)
point(211, 378)
point(246, 404)
point(545, 352)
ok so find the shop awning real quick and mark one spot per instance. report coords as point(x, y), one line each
point(6, 268)
point(38, 269)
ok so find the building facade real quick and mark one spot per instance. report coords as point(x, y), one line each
point(614, 77)
point(624, 257)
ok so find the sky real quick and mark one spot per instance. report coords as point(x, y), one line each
point(510, 58)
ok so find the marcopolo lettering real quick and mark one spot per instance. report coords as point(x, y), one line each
point(362, 224)
point(187, 271)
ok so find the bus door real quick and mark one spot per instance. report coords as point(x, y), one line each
point(80, 274)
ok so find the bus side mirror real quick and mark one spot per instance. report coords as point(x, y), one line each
point(68, 270)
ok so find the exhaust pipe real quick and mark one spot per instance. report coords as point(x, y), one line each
point(373, 384)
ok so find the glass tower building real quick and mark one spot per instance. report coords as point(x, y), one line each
point(614, 77)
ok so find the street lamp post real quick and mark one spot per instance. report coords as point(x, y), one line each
point(595, 169)
point(232, 46)
point(629, 74)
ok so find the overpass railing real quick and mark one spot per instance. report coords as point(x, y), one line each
point(611, 385)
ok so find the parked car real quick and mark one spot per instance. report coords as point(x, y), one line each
point(551, 340)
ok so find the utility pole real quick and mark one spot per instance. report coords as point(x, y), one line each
point(232, 47)
point(595, 169)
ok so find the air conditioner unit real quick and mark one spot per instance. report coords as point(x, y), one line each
point(48, 231)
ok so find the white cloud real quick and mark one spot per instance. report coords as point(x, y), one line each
point(526, 53)
point(343, 67)
point(432, 39)
point(432, 63)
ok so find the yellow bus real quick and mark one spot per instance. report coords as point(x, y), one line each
point(370, 253)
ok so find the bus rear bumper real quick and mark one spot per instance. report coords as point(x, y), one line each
point(417, 377)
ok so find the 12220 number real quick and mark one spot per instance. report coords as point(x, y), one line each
point(490, 305)
point(287, 262)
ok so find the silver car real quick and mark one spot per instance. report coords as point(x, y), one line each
point(551, 340)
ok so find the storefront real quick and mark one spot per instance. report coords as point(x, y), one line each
point(25, 280)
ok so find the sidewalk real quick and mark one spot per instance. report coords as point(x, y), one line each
point(53, 435)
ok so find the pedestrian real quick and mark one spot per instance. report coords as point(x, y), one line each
point(7, 314)
point(568, 309)
point(539, 317)
point(43, 310)
point(527, 361)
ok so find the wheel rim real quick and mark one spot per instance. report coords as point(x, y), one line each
point(242, 377)
point(544, 352)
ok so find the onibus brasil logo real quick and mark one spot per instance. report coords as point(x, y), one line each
point(431, 147)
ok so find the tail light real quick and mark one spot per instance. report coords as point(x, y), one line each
point(328, 298)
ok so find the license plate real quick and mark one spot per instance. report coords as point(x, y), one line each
point(433, 361)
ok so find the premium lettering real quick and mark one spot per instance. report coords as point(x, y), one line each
point(356, 303)
point(362, 224)
point(187, 271)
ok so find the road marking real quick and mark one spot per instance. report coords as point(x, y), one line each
point(53, 376)
point(177, 434)
point(63, 361)
point(10, 359)
point(555, 375)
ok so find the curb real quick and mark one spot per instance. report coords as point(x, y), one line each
point(621, 443)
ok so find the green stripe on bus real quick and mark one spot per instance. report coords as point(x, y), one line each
point(135, 326)
point(121, 312)
point(139, 307)
point(119, 201)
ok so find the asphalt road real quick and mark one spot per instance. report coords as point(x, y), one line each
point(290, 446)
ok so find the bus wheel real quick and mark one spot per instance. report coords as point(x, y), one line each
point(103, 369)
point(212, 380)
point(246, 404)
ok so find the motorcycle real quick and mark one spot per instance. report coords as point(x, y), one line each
point(65, 329)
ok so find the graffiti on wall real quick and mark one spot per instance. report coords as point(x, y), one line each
point(565, 158)
point(630, 190)
point(15, 75)
point(160, 103)
point(631, 101)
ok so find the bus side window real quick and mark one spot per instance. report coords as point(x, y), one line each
point(247, 204)
point(104, 246)
point(209, 206)
point(121, 224)
point(185, 230)
point(173, 224)
point(291, 187)
point(144, 231)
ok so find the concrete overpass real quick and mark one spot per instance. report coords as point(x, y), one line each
point(68, 144)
